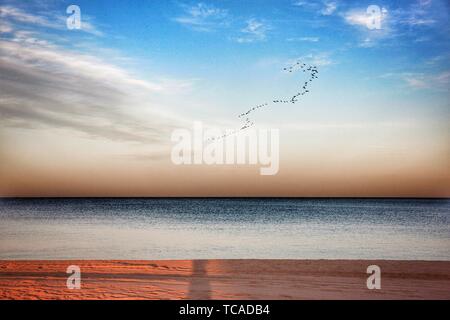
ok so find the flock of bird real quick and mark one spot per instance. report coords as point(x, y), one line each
point(297, 66)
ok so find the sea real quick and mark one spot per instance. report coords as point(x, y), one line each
point(224, 228)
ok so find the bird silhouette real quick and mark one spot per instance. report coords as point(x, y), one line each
point(294, 99)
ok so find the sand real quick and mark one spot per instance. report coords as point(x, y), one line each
point(225, 279)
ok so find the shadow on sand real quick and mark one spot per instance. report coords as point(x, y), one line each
point(199, 288)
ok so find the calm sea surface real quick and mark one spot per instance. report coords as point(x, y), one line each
point(224, 228)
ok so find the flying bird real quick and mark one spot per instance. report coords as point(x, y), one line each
point(294, 99)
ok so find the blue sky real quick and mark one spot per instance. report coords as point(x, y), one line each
point(138, 69)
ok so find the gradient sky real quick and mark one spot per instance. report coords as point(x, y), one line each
point(90, 112)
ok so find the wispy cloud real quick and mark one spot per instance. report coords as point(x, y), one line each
point(301, 3)
point(355, 125)
point(320, 59)
point(427, 81)
point(9, 12)
point(203, 17)
point(398, 22)
point(370, 37)
point(442, 58)
point(324, 7)
point(306, 39)
point(421, 80)
point(50, 20)
point(416, 14)
point(370, 41)
point(5, 27)
point(416, 83)
point(45, 85)
point(330, 8)
point(255, 30)
point(359, 17)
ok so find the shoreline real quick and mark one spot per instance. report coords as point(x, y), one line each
point(242, 279)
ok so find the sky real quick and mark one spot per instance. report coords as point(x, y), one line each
point(91, 111)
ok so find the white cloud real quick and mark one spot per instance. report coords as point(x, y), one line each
point(360, 17)
point(370, 37)
point(368, 43)
point(416, 83)
point(321, 59)
point(306, 39)
point(438, 59)
point(422, 39)
point(357, 18)
point(421, 80)
point(51, 20)
point(356, 125)
point(428, 81)
point(38, 53)
point(324, 7)
point(417, 14)
point(330, 8)
point(300, 3)
point(203, 17)
point(394, 22)
point(254, 31)
point(5, 27)
point(21, 16)
point(46, 85)
point(443, 77)
point(425, 2)
point(88, 26)
point(416, 21)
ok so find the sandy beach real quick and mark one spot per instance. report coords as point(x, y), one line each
point(225, 279)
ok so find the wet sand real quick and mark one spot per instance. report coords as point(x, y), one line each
point(225, 279)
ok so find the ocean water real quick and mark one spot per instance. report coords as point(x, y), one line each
point(179, 228)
